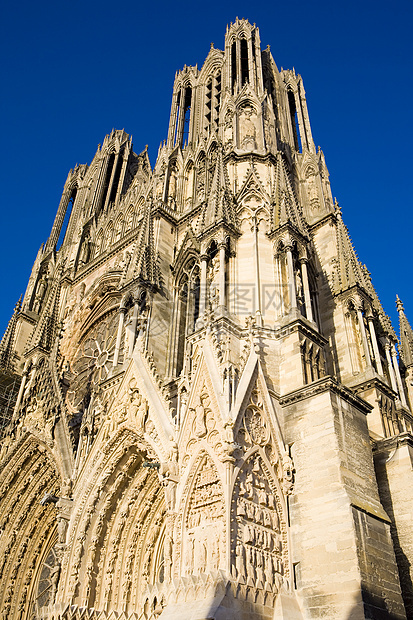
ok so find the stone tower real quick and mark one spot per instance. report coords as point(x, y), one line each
point(212, 422)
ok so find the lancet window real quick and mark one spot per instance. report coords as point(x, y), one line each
point(99, 242)
point(130, 219)
point(116, 177)
point(294, 121)
point(68, 212)
point(107, 177)
point(183, 116)
point(187, 295)
point(312, 362)
point(239, 64)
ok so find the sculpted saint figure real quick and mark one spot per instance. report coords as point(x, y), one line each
point(139, 410)
point(40, 293)
point(85, 251)
point(247, 128)
point(200, 427)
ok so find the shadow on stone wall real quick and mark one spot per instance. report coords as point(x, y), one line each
point(403, 563)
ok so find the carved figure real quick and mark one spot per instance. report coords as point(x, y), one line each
point(214, 282)
point(288, 476)
point(240, 559)
point(189, 556)
point(312, 190)
point(248, 129)
point(228, 129)
point(54, 582)
point(40, 293)
point(172, 187)
point(139, 409)
point(85, 250)
point(200, 427)
point(66, 489)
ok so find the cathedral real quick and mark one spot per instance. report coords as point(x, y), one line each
point(203, 412)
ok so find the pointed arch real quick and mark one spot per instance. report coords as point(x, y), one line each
point(108, 236)
point(130, 219)
point(201, 527)
point(186, 308)
point(259, 549)
point(117, 522)
point(118, 231)
point(28, 526)
point(99, 243)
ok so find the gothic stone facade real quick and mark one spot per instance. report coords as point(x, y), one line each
point(212, 422)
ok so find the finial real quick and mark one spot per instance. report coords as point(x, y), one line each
point(399, 304)
point(337, 208)
point(212, 45)
point(18, 304)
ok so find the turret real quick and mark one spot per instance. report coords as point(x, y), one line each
point(406, 350)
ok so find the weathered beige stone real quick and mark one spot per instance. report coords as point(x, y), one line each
point(206, 374)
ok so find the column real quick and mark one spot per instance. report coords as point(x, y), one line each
point(222, 248)
point(203, 286)
point(390, 366)
point(122, 311)
point(278, 288)
point(363, 336)
point(133, 326)
point(307, 296)
point(377, 358)
point(257, 284)
point(291, 278)
point(281, 286)
point(398, 376)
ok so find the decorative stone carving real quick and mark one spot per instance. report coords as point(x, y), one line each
point(254, 429)
point(138, 409)
point(256, 542)
point(85, 251)
point(312, 189)
point(204, 538)
point(41, 289)
point(168, 473)
point(228, 129)
point(200, 413)
point(248, 127)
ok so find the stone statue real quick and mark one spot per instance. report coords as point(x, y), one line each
point(85, 251)
point(200, 427)
point(172, 187)
point(40, 293)
point(214, 282)
point(139, 409)
point(248, 130)
point(228, 129)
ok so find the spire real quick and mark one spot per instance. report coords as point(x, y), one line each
point(220, 204)
point(406, 335)
point(144, 263)
point(349, 271)
point(6, 345)
point(286, 209)
point(46, 329)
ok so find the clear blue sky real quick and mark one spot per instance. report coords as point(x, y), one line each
point(72, 71)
